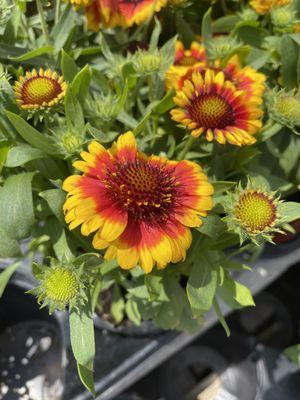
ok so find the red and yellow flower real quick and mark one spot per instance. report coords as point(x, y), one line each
point(264, 6)
point(245, 78)
point(39, 90)
point(140, 207)
point(185, 61)
point(123, 13)
point(211, 105)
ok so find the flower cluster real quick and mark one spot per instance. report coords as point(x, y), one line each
point(139, 159)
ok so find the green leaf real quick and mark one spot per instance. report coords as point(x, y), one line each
point(16, 206)
point(165, 104)
point(289, 58)
point(153, 284)
point(155, 36)
point(20, 155)
point(225, 24)
point(82, 336)
point(87, 378)
point(169, 313)
point(289, 211)
point(252, 35)
point(212, 226)
point(235, 294)
point(4, 149)
point(33, 53)
point(206, 27)
point(6, 275)
point(81, 82)
point(55, 199)
point(221, 318)
point(74, 113)
point(31, 135)
point(58, 238)
point(68, 66)
point(63, 28)
point(117, 307)
point(293, 353)
point(132, 312)
point(202, 283)
point(9, 247)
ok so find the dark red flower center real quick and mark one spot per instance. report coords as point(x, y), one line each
point(40, 90)
point(211, 111)
point(147, 191)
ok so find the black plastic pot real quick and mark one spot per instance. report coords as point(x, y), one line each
point(122, 360)
point(145, 329)
point(32, 351)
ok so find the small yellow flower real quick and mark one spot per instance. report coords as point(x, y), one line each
point(264, 6)
point(39, 90)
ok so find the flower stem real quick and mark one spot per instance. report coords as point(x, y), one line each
point(57, 11)
point(188, 144)
point(43, 22)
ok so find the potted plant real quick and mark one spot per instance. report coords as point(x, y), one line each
point(140, 163)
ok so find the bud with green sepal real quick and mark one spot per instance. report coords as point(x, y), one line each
point(62, 284)
point(284, 108)
point(254, 213)
point(283, 19)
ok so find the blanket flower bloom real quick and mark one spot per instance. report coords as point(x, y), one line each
point(39, 90)
point(123, 13)
point(141, 207)
point(210, 105)
point(185, 62)
point(245, 78)
point(264, 6)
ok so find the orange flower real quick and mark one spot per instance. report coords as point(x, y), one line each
point(210, 105)
point(264, 6)
point(185, 62)
point(140, 207)
point(245, 78)
point(124, 13)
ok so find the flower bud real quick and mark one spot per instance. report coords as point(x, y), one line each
point(220, 47)
point(283, 19)
point(284, 108)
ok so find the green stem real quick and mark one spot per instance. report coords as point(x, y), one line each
point(43, 22)
point(57, 11)
point(188, 144)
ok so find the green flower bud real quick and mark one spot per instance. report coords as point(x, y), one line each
point(220, 47)
point(248, 14)
point(71, 143)
point(252, 213)
point(147, 62)
point(283, 19)
point(61, 286)
point(284, 108)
